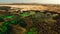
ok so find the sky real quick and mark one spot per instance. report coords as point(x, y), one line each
point(31, 1)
